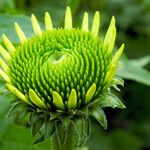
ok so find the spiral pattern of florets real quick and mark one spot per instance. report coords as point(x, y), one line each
point(60, 60)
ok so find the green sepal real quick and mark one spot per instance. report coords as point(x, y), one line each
point(53, 115)
point(83, 112)
point(117, 81)
point(99, 115)
point(61, 133)
point(86, 129)
point(82, 128)
point(36, 123)
point(13, 110)
point(66, 122)
point(18, 109)
point(39, 140)
point(49, 129)
point(111, 100)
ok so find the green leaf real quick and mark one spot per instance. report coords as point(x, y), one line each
point(132, 71)
point(111, 100)
point(140, 62)
point(99, 115)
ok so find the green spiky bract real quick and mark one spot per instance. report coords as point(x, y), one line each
point(62, 77)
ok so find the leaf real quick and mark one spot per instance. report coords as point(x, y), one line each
point(111, 100)
point(99, 115)
point(131, 71)
point(141, 61)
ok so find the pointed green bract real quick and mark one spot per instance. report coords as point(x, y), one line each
point(90, 93)
point(18, 93)
point(99, 115)
point(110, 36)
point(110, 100)
point(72, 101)
point(20, 33)
point(68, 19)
point(85, 22)
point(96, 22)
point(36, 100)
point(35, 24)
point(57, 100)
point(48, 22)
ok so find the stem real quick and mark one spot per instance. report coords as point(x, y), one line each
point(69, 139)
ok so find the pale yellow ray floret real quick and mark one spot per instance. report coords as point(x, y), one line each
point(85, 22)
point(3, 64)
point(4, 53)
point(72, 101)
point(20, 95)
point(110, 74)
point(90, 93)
point(57, 100)
point(117, 55)
point(96, 23)
point(36, 100)
point(5, 76)
point(113, 65)
point(8, 44)
point(35, 24)
point(20, 33)
point(110, 36)
point(68, 19)
point(48, 21)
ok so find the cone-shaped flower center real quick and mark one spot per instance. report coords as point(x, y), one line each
point(62, 68)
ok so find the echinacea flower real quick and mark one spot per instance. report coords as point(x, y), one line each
point(62, 73)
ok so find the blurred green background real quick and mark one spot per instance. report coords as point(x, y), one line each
point(128, 129)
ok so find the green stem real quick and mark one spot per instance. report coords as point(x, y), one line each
point(69, 139)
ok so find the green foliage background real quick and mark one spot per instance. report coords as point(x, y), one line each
point(128, 129)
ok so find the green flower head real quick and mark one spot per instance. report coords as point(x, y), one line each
point(63, 70)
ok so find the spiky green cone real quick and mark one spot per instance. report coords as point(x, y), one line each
point(62, 76)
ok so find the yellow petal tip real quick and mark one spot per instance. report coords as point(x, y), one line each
point(90, 93)
point(72, 101)
point(57, 100)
